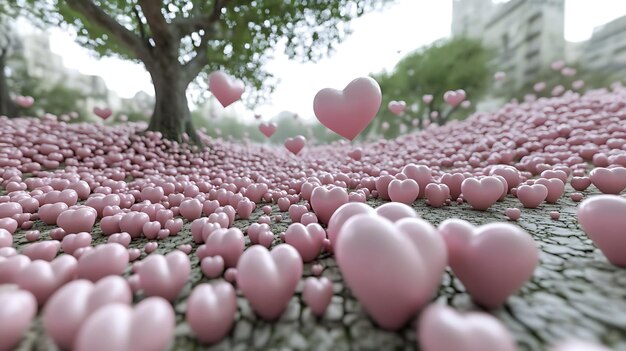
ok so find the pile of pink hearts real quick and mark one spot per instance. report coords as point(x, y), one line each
point(84, 208)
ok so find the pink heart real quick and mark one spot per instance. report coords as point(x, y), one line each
point(296, 212)
point(395, 211)
point(6, 239)
point(151, 229)
point(191, 209)
point(72, 304)
point(348, 112)
point(49, 213)
point(255, 229)
point(443, 329)
point(531, 196)
point(11, 268)
point(356, 154)
point(17, 310)
point(492, 261)
point(42, 250)
point(76, 220)
point(24, 101)
point(609, 180)
point(454, 97)
point(308, 240)
point(245, 208)
point(133, 222)
point(164, 276)
point(580, 183)
point(325, 202)
point(268, 129)
point(555, 186)
point(453, 181)
point(419, 173)
point(123, 239)
point(228, 243)
point(397, 107)
point(427, 99)
point(410, 259)
point(513, 213)
point(482, 193)
point(43, 278)
point(211, 310)
point(403, 191)
point(437, 194)
point(317, 294)
point(103, 260)
point(212, 266)
point(296, 144)
point(225, 88)
point(147, 326)
point(269, 280)
point(73, 242)
point(602, 218)
point(103, 113)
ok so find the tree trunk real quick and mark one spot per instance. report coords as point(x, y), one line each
point(171, 114)
point(7, 107)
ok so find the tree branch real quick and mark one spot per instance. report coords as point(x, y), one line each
point(94, 13)
point(192, 68)
point(186, 26)
point(158, 26)
point(142, 30)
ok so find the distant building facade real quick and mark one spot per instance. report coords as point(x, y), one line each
point(606, 50)
point(526, 35)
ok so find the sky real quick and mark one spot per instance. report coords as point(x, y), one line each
point(378, 41)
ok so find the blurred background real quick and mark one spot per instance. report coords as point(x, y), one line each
point(494, 50)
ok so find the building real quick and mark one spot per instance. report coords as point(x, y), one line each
point(606, 50)
point(526, 35)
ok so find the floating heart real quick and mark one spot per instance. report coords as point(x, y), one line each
point(295, 145)
point(211, 310)
point(602, 218)
point(103, 113)
point(454, 97)
point(348, 112)
point(268, 129)
point(24, 101)
point(269, 279)
point(397, 107)
point(147, 326)
point(225, 88)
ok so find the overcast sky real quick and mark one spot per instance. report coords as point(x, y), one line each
point(378, 41)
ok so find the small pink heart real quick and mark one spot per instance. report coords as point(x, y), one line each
point(225, 88)
point(149, 325)
point(76, 220)
point(317, 294)
point(555, 187)
point(403, 191)
point(356, 154)
point(492, 261)
point(120, 238)
point(482, 193)
point(513, 213)
point(454, 97)
point(72, 304)
point(443, 329)
point(437, 194)
point(268, 129)
point(103, 113)
point(348, 112)
point(102, 261)
point(43, 250)
point(164, 276)
point(325, 202)
point(11, 267)
point(17, 310)
point(602, 218)
point(531, 196)
point(228, 243)
point(73, 242)
point(269, 279)
point(24, 101)
point(295, 144)
point(49, 213)
point(212, 266)
point(397, 107)
point(43, 278)
point(308, 240)
point(211, 310)
point(609, 180)
point(580, 183)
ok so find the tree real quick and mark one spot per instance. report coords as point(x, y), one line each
point(7, 40)
point(179, 39)
point(452, 64)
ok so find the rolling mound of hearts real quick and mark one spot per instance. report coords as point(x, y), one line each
point(76, 178)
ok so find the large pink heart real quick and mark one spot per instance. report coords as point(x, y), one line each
point(609, 180)
point(348, 112)
point(392, 269)
point(603, 218)
point(326, 201)
point(17, 310)
point(164, 276)
point(443, 329)
point(225, 88)
point(269, 280)
point(492, 261)
point(147, 326)
point(72, 304)
point(211, 310)
point(482, 193)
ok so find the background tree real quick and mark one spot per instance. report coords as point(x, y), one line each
point(179, 39)
point(7, 41)
point(453, 64)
